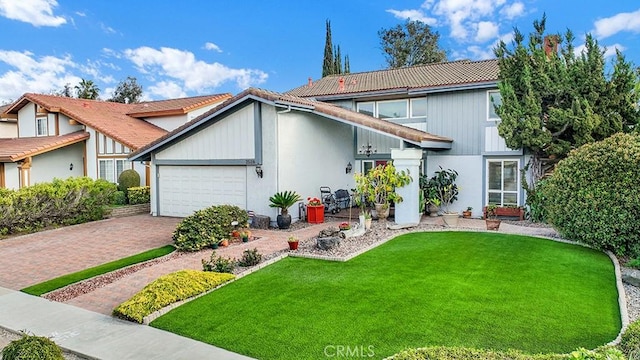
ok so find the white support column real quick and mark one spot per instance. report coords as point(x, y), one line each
point(408, 211)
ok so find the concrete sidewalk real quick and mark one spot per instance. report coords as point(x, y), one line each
point(95, 335)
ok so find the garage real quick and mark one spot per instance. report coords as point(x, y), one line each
point(185, 189)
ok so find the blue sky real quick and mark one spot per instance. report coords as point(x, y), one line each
point(192, 47)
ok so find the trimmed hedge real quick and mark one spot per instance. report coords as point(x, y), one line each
point(208, 226)
point(31, 347)
point(119, 198)
point(127, 179)
point(139, 195)
point(630, 342)
point(592, 196)
point(462, 353)
point(167, 290)
point(60, 202)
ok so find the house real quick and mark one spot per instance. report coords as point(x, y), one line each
point(59, 137)
point(452, 100)
point(8, 126)
point(260, 142)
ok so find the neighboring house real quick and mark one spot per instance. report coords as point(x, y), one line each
point(452, 100)
point(59, 137)
point(261, 142)
point(8, 126)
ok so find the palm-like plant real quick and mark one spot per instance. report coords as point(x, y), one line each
point(87, 89)
point(284, 200)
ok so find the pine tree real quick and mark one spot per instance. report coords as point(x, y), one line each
point(328, 65)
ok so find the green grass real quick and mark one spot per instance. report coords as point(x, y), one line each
point(62, 281)
point(471, 289)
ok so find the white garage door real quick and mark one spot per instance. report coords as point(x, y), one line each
point(185, 189)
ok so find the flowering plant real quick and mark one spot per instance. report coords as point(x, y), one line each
point(314, 201)
point(245, 234)
point(344, 226)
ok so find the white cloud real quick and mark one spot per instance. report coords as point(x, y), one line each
point(191, 74)
point(34, 12)
point(620, 22)
point(30, 74)
point(107, 29)
point(413, 15)
point(167, 90)
point(512, 11)
point(80, 13)
point(212, 46)
point(481, 53)
point(486, 30)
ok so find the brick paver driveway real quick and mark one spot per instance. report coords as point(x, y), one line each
point(31, 259)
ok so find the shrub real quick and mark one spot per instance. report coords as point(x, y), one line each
point(31, 347)
point(60, 202)
point(118, 198)
point(592, 196)
point(219, 264)
point(250, 258)
point(462, 353)
point(139, 195)
point(128, 179)
point(167, 290)
point(630, 342)
point(207, 226)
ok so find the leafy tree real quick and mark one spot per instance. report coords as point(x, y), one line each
point(555, 102)
point(411, 43)
point(332, 63)
point(127, 92)
point(87, 89)
point(66, 91)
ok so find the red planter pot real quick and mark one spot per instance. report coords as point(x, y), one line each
point(293, 245)
point(315, 214)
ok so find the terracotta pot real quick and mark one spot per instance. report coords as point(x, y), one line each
point(493, 224)
point(224, 242)
point(367, 224)
point(466, 214)
point(293, 245)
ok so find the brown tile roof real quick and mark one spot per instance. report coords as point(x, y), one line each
point(174, 106)
point(16, 149)
point(4, 117)
point(320, 108)
point(438, 75)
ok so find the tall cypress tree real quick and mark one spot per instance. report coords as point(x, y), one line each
point(328, 65)
point(347, 67)
point(337, 62)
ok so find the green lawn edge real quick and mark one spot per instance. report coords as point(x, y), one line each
point(62, 281)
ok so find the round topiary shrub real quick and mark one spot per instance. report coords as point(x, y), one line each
point(128, 179)
point(32, 347)
point(592, 196)
point(118, 198)
point(208, 226)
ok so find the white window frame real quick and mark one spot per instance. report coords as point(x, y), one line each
point(490, 105)
point(375, 108)
point(39, 120)
point(411, 101)
point(113, 177)
point(406, 108)
point(502, 191)
point(372, 164)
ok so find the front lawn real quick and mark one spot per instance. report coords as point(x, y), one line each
point(471, 289)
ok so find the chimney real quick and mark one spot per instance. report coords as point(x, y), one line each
point(551, 45)
point(341, 84)
point(310, 82)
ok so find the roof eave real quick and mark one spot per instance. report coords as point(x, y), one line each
point(457, 87)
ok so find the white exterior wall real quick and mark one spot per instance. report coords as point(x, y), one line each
point(55, 164)
point(8, 129)
point(92, 162)
point(197, 112)
point(313, 152)
point(11, 176)
point(167, 122)
point(27, 121)
point(229, 138)
point(470, 179)
point(65, 127)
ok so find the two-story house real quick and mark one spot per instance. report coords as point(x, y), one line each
point(453, 100)
point(59, 137)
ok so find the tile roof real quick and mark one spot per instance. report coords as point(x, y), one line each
point(318, 107)
point(174, 106)
point(16, 149)
point(437, 75)
point(3, 116)
point(116, 120)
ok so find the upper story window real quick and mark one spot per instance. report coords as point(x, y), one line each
point(493, 98)
point(394, 109)
point(42, 128)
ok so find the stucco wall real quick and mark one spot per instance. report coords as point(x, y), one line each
point(8, 129)
point(11, 176)
point(470, 179)
point(27, 119)
point(56, 164)
point(64, 127)
point(167, 122)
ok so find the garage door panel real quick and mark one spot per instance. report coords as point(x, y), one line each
point(185, 189)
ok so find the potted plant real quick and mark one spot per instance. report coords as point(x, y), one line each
point(244, 235)
point(434, 206)
point(379, 187)
point(315, 211)
point(467, 213)
point(293, 243)
point(367, 220)
point(224, 242)
point(344, 226)
point(491, 218)
point(444, 183)
point(284, 200)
